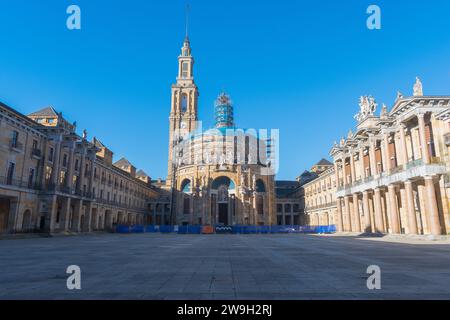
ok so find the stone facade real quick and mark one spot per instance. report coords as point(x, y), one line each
point(320, 196)
point(393, 172)
point(219, 176)
point(54, 180)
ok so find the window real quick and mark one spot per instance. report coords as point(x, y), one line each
point(187, 205)
point(15, 139)
point(30, 178)
point(279, 207)
point(184, 70)
point(184, 103)
point(48, 173)
point(260, 205)
point(64, 160)
point(35, 145)
point(76, 165)
point(10, 175)
point(62, 178)
point(50, 154)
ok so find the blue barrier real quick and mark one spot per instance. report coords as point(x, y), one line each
point(236, 229)
point(189, 229)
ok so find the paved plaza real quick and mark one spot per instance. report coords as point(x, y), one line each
point(157, 266)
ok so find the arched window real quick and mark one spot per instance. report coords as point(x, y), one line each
point(184, 103)
point(223, 181)
point(186, 186)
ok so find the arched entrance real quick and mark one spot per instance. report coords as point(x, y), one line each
point(223, 201)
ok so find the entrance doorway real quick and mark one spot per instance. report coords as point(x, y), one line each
point(4, 213)
point(223, 213)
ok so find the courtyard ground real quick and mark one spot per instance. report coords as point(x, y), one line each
point(158, 266)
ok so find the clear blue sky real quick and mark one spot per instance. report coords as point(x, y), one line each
point(298, 66)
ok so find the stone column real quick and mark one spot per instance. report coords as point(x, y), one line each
point(352, 166)
point(431, 201)
point(395, 226)
point(71, 168)
point(56, 157)
point(361, 163)
point(367, 224)
point(88, 218)
point(378, 212)
point(412, 220)
point(385, 154)
point(65, 214)
point(357, 217)
point(82, 170)
point(340, 218)
point(347, 225)
point(403, 149)
point(423, 139)
point(373, 161)
point(77, 215)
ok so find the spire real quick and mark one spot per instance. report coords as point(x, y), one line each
point(186, 39)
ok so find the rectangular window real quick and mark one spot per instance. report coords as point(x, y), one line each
point(30, 178)
point(15, 139)
point(35, 145)
point(62, 178)
point(10, 174)
point(48, 173)
point(76, 165)
point(50, 154)
point(184, 70)
point(64, 160)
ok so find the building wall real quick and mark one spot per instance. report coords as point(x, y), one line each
point(66, 192)
point(401, 185)
point(320, 199)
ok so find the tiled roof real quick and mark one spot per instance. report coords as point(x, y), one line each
point(122, 163)
point(98, 143)
point(324, 162)
point(141, 173)
point(46, 112)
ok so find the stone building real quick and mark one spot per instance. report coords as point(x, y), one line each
point(320, 195)
point(393, 172)
point(290, 204)
point(53, 180)
point(220, 176)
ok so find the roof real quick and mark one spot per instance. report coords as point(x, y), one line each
point(46, 112)
point(123, 163)
point(98, 143)
point(284, 188)
point(141, 173)
point(324, 162)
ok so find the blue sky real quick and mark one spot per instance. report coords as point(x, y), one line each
point(298, 66)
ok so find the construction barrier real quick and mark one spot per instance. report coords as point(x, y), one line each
point(189, 229)
point(208, 229)
point(236, 229)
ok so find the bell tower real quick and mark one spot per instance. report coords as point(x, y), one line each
point(183, 113)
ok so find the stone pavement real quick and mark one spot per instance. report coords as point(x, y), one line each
point(156, 266)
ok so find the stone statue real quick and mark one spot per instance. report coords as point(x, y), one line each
point(350, 134)
point(399, 95)
point(254, 181)
point(384, 112)
point(84, 134)
point(367, 106)
point(242, 180)
point(418, 88)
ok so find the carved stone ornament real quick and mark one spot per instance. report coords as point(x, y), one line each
point(367, 106)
